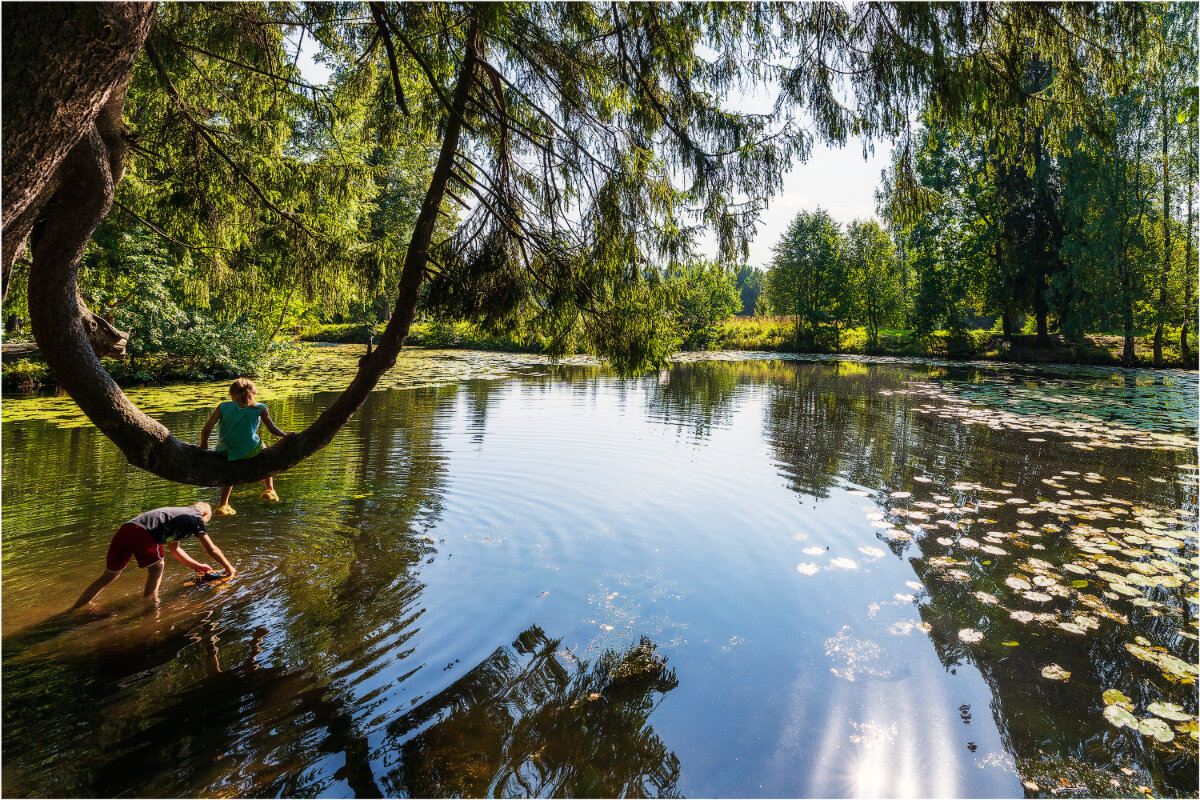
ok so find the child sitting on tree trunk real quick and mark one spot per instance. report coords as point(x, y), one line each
point(237, 435)
point(143, 538)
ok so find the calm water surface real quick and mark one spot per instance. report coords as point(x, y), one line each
point(758, 577)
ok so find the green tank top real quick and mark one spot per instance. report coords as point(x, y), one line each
point(237, 430)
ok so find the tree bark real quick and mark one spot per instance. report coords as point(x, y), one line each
point(1128, 353)
point(1166, 221)
point(61, 62)
point(83, 198)
point(1043, 208)
point(1188, 310)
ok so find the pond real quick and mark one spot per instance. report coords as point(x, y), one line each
point(746, 576)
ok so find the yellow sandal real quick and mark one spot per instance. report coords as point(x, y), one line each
point(225, 511)
point(270, 496)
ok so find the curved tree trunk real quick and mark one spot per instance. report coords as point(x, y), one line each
point(61, 63)
point(77, 207)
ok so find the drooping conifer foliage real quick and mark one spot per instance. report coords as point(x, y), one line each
point(561, 151)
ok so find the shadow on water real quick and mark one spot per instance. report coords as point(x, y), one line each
point(322, 669)
point(532, 720)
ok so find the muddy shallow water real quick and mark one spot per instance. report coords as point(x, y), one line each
point(746, 576)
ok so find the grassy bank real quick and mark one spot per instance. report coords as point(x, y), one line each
point(25, 371)
point(777, 334)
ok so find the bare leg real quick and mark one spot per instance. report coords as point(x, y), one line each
point(154, 574)
point(94, 589)
point(269, 484)
point(225, 492)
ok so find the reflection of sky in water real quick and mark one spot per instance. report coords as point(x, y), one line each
point(420, 572)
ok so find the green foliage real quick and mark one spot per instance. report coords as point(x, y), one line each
point(809, 279)
point(597, 141)
point(702, 294)
point(131, 278)
point(343, 333)
point(749, 282)
point(874, 274)
point(23, 374)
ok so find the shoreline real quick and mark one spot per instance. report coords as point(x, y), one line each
point(42, 382)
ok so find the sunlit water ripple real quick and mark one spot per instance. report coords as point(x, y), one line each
point(725, 579)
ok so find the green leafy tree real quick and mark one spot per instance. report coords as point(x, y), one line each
point(809, 280)
point(874, 276)
point(1169, 80)
point(749, 282)
point(702, 294)
point(1109, 243)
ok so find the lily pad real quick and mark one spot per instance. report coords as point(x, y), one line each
point(1152, 726)
point(1120, 717)
point(1115, 697)
point(1168, 711)
point(1055, 673)
point(970, 635)
point(1173, 668)
point(1018, 583)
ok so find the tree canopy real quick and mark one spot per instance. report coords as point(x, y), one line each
point(515, 163)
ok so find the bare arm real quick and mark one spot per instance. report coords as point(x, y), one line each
point(186, 560)
point(216, 553)
point(208, 426)
point(271, 426)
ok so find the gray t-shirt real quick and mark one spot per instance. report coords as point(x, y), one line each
point(171, 523)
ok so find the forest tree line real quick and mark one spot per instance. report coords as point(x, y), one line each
point(199, 261)
point(1095, 237)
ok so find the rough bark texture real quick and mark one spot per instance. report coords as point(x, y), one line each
point(1166, 222)
point(61, 62)
point(82, 199)
point(1189, 311)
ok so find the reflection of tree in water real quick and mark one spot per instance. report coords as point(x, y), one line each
point(827, 428)
point(828, 422)
point(532, 721)
point(1055, 729)
point(698, 396)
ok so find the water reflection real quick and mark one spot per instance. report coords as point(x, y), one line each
point(532, 720)
point(476, 588)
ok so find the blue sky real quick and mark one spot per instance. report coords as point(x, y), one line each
point(838, 180)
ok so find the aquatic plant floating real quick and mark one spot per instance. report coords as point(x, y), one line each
point(1055, 673)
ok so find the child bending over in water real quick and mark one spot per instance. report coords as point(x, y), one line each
point(143, 538)
point(237, 434)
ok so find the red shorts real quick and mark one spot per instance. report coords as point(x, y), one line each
point(130, 540)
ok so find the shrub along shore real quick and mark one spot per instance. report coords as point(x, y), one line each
point(23, 369)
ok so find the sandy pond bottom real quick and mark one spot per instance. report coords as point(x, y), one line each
point(752, 576)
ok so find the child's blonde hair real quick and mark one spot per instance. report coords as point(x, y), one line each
point(242, 387)
point(202, 507)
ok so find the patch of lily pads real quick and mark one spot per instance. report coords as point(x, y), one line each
point(318, 368)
